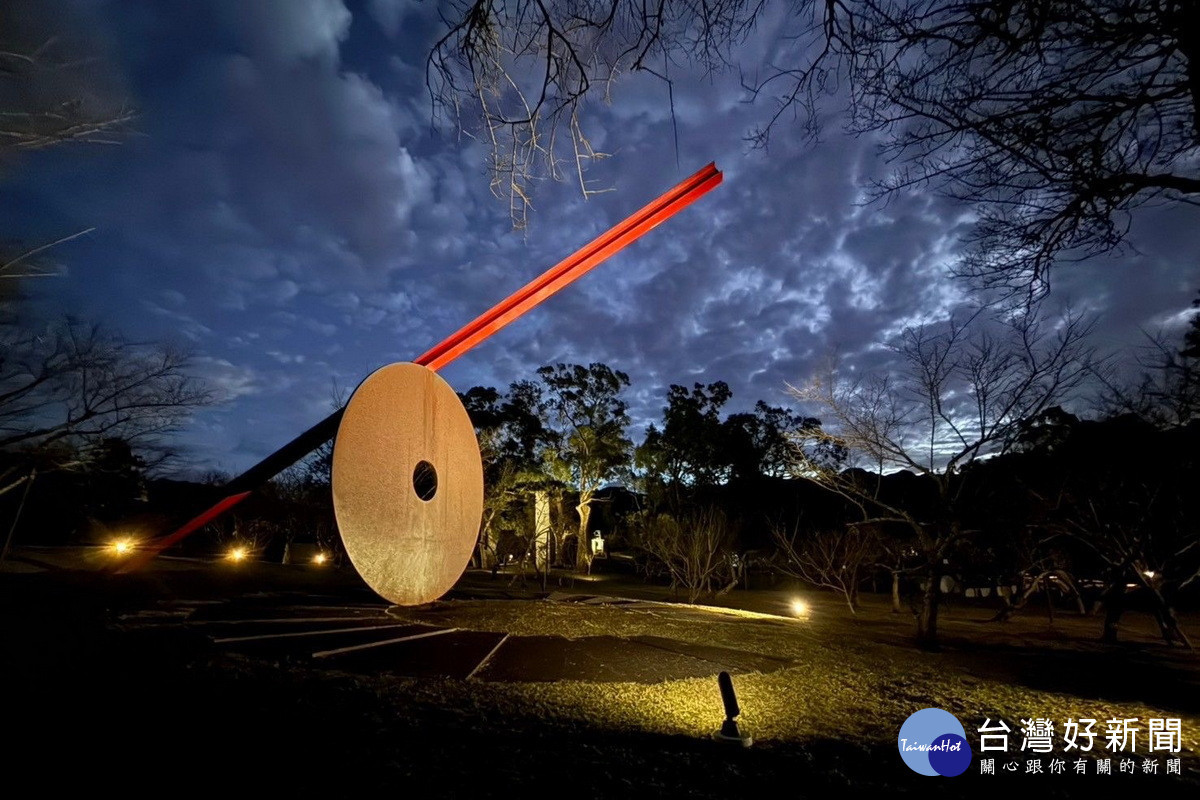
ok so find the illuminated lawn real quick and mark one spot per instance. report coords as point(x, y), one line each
point(849, 686)
point(90, 692)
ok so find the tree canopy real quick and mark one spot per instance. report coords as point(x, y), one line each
point(689, 448)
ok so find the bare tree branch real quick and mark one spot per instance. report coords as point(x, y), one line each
point(1055, 120)
point(963, 392)
point(75, 385)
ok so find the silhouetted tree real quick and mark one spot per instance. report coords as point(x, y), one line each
point(689, 450)
point(829, 559)
point(1191, 337)
point(1122, 490)
point(760, 443)
point(963, 392)
point(70, 388)
point(1168, 391)
point(48, 97)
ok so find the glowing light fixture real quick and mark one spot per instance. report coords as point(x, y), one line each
point(121, 547)
point(799, 607)
point(237, 554)
point(1149, 573)
point(320, 558)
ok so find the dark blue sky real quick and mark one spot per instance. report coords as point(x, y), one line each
point(286, 210)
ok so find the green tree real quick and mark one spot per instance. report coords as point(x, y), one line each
point(590, 443)
point(513, 433)
point(689, 449)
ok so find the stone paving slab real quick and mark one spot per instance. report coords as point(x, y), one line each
point(258, 608)
point(601, 659)
point(363, 638)
point(306, 642)
point(727, 658)
point(451, 655)
point(609, 659)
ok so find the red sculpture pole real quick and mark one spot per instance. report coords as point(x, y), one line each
point(494, 319)
point(572, 267)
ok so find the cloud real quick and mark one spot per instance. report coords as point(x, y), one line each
point(228, 380)
point(288, 31)
point(288, 207)
point(388, 14)
point(182, 323)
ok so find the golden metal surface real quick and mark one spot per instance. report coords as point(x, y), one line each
point(409, 550)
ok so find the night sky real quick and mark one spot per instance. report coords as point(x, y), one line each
point(285, 209)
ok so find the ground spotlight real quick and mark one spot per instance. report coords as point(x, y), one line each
point(799, 607)
point(121, 547)
point(729, 731)
point(237, 554)
point(319, 559)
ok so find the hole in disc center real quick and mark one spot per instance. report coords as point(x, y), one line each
point(425, 480)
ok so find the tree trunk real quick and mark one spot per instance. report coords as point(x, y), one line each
point(927, 617)
point(560, 528)
point(12, 529)
point(1168, 623)
point(541, 530)
point(895, 591)
point(485, 551)
point(1065, 577)
point(583, 552)
point(1114, 605)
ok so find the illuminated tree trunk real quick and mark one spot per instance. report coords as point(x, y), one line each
point(560, 527)
point(582, 550)
point(486, 549)
point(541, 530)
point(895, 591)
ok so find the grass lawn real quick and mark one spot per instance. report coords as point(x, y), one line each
point(94, 700)
point(857, 677)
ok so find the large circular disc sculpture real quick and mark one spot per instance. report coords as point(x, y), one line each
point(407, 484)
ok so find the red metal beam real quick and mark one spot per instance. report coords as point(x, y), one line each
point(494, 319)
point(572, 267)
point(190, 527)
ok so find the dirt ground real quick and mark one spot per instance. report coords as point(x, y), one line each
point(96, 697)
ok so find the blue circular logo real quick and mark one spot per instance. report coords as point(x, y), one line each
point(933, 742)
